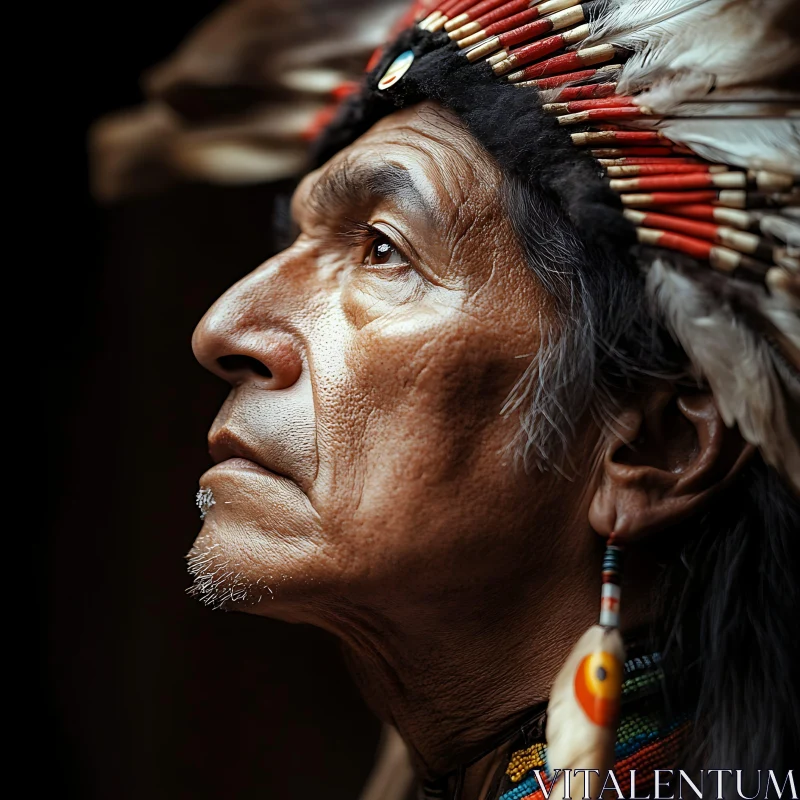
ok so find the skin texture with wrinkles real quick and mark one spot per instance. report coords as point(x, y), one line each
point(380, 498)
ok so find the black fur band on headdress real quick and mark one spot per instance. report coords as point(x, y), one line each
point(506, 120)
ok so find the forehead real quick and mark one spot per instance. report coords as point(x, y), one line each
point(430, 129)
point(432, 145)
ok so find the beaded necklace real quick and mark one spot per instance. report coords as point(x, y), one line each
point(646, 740)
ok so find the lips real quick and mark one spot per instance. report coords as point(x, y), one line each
point(230, 451)
point(273, 429)
point(246, 465)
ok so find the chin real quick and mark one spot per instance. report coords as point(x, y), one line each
point(258, 544)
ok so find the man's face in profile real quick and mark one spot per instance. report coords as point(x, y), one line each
point(363, 461)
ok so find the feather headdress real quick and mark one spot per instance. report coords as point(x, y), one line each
point(691, 109)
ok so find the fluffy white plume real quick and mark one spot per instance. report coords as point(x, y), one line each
point(684, 49)
point(769, 144)
point(737, 42)
point(738, 364)
point(642, 24)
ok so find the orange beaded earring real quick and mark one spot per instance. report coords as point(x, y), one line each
point(584, 701)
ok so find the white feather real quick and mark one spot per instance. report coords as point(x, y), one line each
point(636, 24)
point(737, 364)
point(781, 227)
point(684, 49)
point(769, 144)
point(714, 72)
point(575, 742)
point(737, 42)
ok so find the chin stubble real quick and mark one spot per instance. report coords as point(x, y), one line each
point(216, 582)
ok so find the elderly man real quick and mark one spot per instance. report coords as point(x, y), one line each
point(458, 384)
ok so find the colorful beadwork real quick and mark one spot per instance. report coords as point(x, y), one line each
point(528, 788)
point(611, 591)
point(525, 760)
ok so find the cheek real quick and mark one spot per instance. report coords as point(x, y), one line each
point(413, 444)
point(433, 380)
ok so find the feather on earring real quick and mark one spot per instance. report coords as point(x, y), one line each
point(584, 701)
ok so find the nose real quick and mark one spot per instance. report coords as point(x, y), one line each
point(238, 341)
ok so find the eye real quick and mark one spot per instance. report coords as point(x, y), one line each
point(383, 253)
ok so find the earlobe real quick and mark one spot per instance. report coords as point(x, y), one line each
point(604, 506)
point(668, 458)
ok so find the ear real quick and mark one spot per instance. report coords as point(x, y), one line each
point(668, 457)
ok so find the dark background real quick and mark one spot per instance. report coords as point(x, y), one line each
point(144, 692)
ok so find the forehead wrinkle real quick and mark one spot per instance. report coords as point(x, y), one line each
point(422, 158)
point(467, 195)
point(459, 162)
point(448, 158)
point(446, 175)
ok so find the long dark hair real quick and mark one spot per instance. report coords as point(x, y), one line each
point(730, 627)
point(728, 605)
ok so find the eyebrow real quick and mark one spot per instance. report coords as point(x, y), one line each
point(348, 185)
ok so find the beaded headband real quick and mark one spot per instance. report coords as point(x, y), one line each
point(690, 110)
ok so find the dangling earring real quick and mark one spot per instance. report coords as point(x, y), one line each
point(584, 701)
point(612, 586)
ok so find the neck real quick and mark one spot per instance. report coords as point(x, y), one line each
point(452, 692)
point(452, 676)
point(453, 666)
